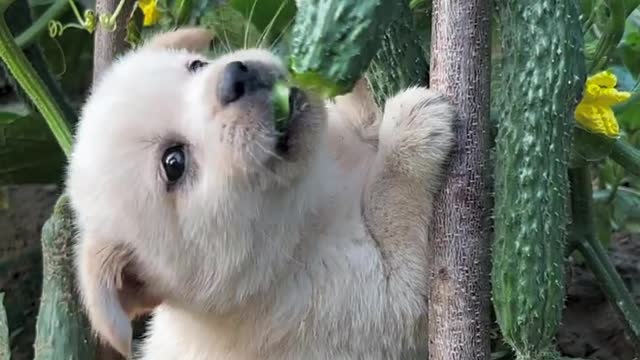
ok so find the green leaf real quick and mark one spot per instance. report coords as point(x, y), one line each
point(630, 51)
point(268, 16)
point(234, 31)
point(629, 47)
point(413, 4)
point(633, 12)
point(586, 8)
point(70, 58)
point(629, 117)
point(28, 152)
point(133, 34)
point(610, 175)
point(626, 80)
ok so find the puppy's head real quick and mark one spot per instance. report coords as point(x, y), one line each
point(175, 167)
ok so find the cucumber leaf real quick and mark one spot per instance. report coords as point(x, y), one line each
point(270, 17)
point(629, 47)
point(232, 29)
point(626, 212)
point(29, 153)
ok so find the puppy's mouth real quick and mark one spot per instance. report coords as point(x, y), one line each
point(285, 124)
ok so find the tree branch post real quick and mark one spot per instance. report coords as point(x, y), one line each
point(109, 43)
point(459, 303)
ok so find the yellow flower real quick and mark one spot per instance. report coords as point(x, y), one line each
point(594, 111)
point(150, 10)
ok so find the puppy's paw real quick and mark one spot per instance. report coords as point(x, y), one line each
point(417, 129)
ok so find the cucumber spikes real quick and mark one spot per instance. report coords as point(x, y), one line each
point(281, 106)
point(333, 42)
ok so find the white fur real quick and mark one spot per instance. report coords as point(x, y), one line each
point(324, 257)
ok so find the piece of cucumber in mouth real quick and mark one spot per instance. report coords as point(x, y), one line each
point(281, 95)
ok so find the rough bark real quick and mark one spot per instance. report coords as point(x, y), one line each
point(107, 43)
point(459, 304)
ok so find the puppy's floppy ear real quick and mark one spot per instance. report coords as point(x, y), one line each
point(111, 292)
point(191, 39)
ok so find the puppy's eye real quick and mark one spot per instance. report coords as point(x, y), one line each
point(174, 163)
point(196, 65)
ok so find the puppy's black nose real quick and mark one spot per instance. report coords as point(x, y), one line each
point(237, 81)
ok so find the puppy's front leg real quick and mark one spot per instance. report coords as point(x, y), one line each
point(416, 137)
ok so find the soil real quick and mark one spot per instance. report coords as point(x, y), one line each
point(25, 210)
point(590, 329)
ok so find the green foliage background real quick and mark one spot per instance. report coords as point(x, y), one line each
point(617, 197)
point(29, 154)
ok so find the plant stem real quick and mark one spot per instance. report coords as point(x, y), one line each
point(595, 255)
point(30, 35)
point(20, 15)
point(5, 353)
point(25, 75)
point(109, 43)
point(460, 290)
point(611, 37)
point(627, 156)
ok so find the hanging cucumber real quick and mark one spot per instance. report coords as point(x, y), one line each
point(62, 329)
point(543, 71)
point(333, 42)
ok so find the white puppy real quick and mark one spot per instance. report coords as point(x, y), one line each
point(246, 243)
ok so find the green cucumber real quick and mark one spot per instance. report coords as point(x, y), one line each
point(62, 329)
point(333, 42)
point(543, 72)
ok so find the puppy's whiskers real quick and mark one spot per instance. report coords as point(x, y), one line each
point(284, 30)
point(268, 171)
point(269, 152)
point(227, 42)
point(262, 38)
point(248, 25)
